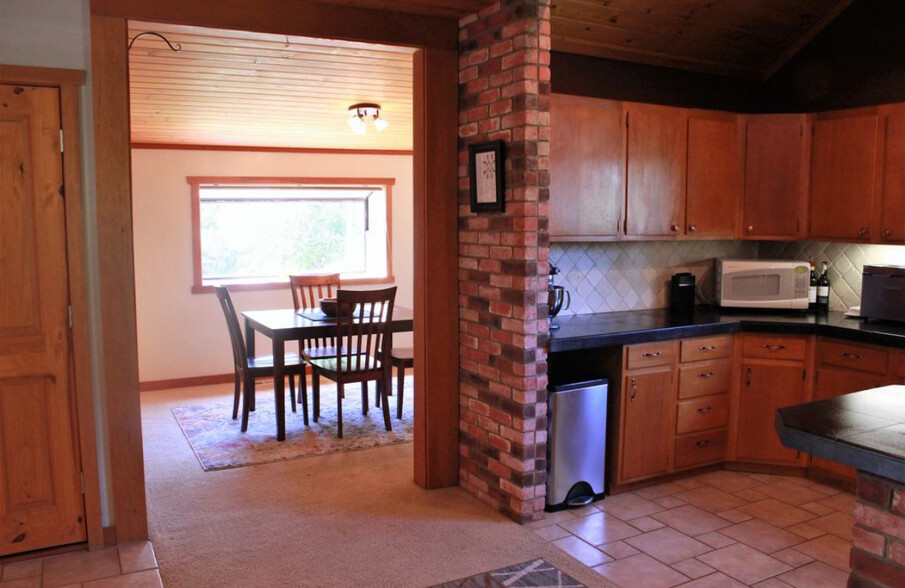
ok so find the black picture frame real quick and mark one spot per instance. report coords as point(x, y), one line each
point(486, 173)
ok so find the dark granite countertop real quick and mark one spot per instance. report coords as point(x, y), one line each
point(865, 430)
point(586, 331)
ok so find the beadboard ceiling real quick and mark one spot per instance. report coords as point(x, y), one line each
point(262, 90)
point(739, 38)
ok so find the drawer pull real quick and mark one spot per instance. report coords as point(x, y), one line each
point(850, 355)
point(634, 390)
point(652, 354)
point(706, 374)
point(707, 347)
point(704, 410)
point(769, 347)
point(702, 443)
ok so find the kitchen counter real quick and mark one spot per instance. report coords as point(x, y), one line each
point(587, 331)
point(865, 430)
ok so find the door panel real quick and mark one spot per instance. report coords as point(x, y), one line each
point(648, 425)
point(40, 495)
point(766, 388)
point(892, 184)
point(714, 177)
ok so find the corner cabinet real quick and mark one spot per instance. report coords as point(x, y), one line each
point(587, 162)
point(890, 217)
point(714, 175)
point(776, 176)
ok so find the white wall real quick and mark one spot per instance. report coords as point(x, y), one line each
point(183, 335)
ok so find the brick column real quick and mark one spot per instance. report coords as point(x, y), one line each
point(504, 93)
point(878, 539)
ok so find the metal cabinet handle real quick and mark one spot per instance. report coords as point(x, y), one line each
point(652, 354)
point(862, 232)
point(706, 375)
point(702, 443)
point(692, 228)
point(706, 347)
point(850, 355)
point(749, 229)
point(769, 347)
point(634, 390)
point(704, 410)
point(887, 233)
point(674, 228)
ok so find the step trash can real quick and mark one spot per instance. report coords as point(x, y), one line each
point(576, 443)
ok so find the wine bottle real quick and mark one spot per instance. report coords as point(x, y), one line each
point(812, 288)
point(823, 289)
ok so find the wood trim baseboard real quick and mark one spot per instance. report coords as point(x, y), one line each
point(153, 385)
point(252, 148)
point(109, 535)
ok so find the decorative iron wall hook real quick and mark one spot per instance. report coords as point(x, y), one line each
point(165, 40)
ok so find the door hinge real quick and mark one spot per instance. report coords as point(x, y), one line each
point(69, 313)
point(61, 140)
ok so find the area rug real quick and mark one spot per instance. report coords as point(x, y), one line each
point(219, 443)
point(537, 573)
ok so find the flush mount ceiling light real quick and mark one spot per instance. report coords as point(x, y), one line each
point(361, 112)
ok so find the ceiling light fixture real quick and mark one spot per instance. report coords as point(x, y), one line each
point(361, 112)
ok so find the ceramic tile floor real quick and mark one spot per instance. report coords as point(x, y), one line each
point(131, 565)
point(720, 529)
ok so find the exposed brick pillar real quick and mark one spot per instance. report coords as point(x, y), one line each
point(878, 539)
point(504, 93)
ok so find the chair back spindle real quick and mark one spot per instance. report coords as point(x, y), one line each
point(240, 356)
point(363, 336)
point(307, 290)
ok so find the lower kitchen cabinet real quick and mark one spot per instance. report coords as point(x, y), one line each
point(648, 401)
point(766, 387)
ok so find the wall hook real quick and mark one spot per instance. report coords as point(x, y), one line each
point(165, 40)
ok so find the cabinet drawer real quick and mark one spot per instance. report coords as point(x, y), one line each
point(703, 379)
point(651, 354)
point(702, 348)
point(902, 365)
point(701, 414)
point(700, 448)
point(774, 347)
point(855, 357)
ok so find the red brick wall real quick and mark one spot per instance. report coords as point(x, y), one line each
point(504, 93)
point(878, 539)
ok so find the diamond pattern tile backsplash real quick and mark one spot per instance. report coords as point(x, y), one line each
point(609, 277)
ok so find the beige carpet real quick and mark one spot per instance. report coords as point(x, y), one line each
point(348, 519)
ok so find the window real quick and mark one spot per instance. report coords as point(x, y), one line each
point(259, 230)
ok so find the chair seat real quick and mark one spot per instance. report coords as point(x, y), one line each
point(292, 362)
point(402, 356)
point(339, 364)
point(318, 352)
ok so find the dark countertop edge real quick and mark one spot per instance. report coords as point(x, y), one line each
point(725, 326)
point(873, 462)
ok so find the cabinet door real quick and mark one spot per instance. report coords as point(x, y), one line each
point(587, 167)
point(764, 389)
point(775, 176)
point(714, 175)
point(892, 180)
point(657, 145)
point(843, 160)
point(647, 423)
point(832, 382)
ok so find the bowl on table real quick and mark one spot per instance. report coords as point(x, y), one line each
point(329, 306)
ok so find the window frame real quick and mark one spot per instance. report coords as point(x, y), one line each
point(196, 182)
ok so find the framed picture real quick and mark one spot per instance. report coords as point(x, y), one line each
point(486, 170)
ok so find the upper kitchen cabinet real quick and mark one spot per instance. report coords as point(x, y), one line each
point(714, 174)
point(890, 217)
point(587, 168)
point(843, 166)
point(657, 151)
point(776, 173)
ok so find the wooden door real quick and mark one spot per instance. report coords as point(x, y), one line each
point(775, 176)
point(832, 382)
point(41, 502)
point(891, 186)
point(714, 175)
point(765, 388)
point(647, 423)
point(843, 160)
point(656, 155)
point(587, 167)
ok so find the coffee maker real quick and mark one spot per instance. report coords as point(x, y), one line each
point(556, 297)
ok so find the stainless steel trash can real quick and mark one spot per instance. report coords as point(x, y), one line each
point(576, 443)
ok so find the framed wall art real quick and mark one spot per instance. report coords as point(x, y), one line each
point(486, 170)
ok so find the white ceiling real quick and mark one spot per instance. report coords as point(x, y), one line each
point(262, 90)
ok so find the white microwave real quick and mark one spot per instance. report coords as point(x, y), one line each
point(762, 283)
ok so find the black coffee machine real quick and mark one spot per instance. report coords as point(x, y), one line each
point(681, 293)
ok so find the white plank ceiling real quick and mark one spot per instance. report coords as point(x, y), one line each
point(262, 90)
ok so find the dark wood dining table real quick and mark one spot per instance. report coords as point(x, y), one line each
point(286, 324)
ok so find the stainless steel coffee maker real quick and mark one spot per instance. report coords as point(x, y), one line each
point(556, 297)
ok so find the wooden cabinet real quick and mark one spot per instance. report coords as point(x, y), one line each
point(714, 174)
point(648, 403)
point(890, 217)
point(655, 178)
point(775, 176)
point(899, 371)
point(587, 163)
point(843, 166)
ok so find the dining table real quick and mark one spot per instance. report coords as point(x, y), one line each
point(288, 324)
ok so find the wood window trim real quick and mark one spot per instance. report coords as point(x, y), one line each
point(68, 82)
point(195, 182)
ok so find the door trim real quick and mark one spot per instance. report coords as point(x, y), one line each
point(68, 81)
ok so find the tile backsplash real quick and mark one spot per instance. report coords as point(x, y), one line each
point(608, 277)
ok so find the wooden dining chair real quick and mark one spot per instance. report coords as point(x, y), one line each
point(248, 369)
point(364, 342)
point(307, 290)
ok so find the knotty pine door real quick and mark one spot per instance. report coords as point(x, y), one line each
point(41, 503)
